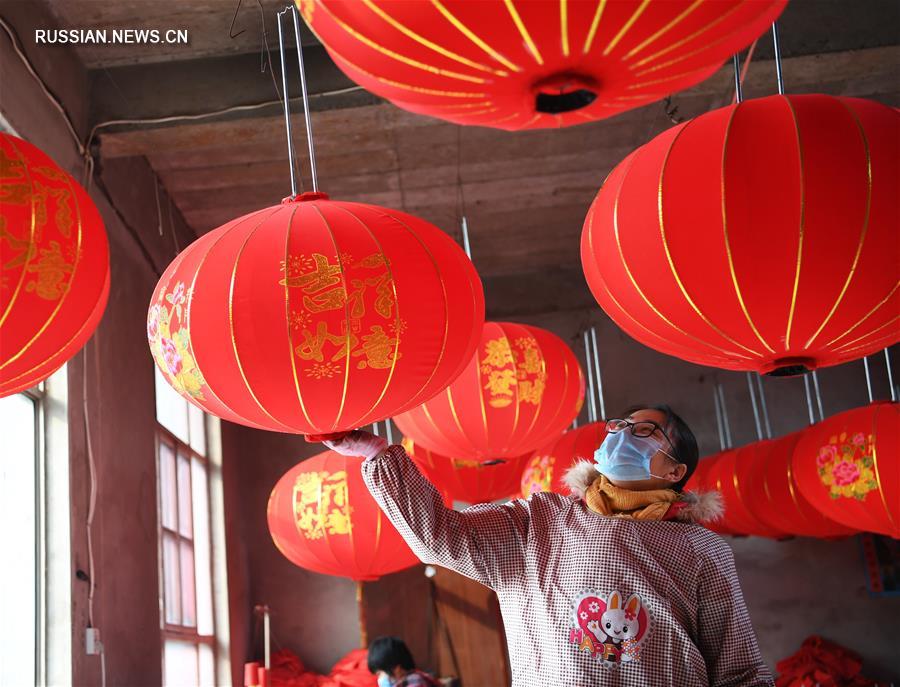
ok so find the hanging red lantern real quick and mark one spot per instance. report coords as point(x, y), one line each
point(774, 498)
point(731, 474)
point(532, 65)
point(522, 387)
point(761, 236)
point(848, 467)
point(545, 469)
point(701, 481)
point(316, 316)
point(467, 480)
point(322, 518)
point(54, 266)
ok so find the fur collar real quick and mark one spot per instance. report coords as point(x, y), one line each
point(701, 507)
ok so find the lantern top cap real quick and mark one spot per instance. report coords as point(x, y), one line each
point(303, 197)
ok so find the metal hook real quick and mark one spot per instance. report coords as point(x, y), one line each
point(868, 379)
point(719, 418)
point(815, 378)
point(309, 131)
point(809, 405)
point(231, 33)
point(592, 410)
point(597, 373)
point(738, 91)
point(464, 226)
point(759, 432)
point(725, 423)
point(777, 47)
point(887, 361)
point(287, 111)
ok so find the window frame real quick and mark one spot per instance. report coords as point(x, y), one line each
point(170, 630)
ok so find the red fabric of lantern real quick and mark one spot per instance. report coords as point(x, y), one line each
point(774, 498)
point(531, 65)
point(729, 476)
point(467, 480)
point(316, 316)
point(54, 266)
point(761, 236)
point(322, 518)
point(701, 481)
point(848, 467)
point(522, 387)
point(546, 468)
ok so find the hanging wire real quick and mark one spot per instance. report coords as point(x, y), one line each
point(287, 110)
point(600, 398)
point(738, 92)
point(592, 411)
point(306, 113)
point(719, 419)
point(464, 227)
point(764, 406)
point(725, 424)
point(388, 432)
point(868, 379)
point(759, 432)
point(815, 379)
point(809, 403)
point(887, 362)
point(777, 46)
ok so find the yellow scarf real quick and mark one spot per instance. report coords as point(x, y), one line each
point(607, 499)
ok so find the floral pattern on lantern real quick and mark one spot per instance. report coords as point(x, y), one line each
point(845, 466)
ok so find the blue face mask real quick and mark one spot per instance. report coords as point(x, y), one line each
point(384, 680)
point(625, 457)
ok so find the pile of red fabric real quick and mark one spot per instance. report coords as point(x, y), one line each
point(821, 663)
point(351, 671)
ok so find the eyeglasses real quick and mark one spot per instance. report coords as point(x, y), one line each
point(641, 428)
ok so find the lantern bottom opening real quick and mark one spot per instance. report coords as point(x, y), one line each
point(564, 92)
point(788, 367)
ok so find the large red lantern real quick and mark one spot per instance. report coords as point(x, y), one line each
point(467, 480)
point(316, 316)
point(761, 236)
point(848, 467)
point(522, 387)
point(732, 473)
point(54, 266)
point(322, 518)
point(774, 498)
point(545, 469)
point(530, 65)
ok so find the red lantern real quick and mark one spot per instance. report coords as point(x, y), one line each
point(731, 474)
point(467, 480)
point(701, 481)
point(322, 518)
point(546, 468)
point(848, 467)
point(775, 500)
point(523, 387)
point(761, 236)
point(532, 65)
point(54, 266)
point(316, 316)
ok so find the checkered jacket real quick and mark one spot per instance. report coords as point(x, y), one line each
point(586, 600)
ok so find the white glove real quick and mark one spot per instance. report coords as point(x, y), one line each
point(357, 443)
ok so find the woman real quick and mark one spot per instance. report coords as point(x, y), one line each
point(616, 586)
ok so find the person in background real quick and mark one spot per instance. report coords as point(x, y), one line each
point(392, 663)
point(617, 584)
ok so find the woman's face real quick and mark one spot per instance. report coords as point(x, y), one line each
point(668, 471)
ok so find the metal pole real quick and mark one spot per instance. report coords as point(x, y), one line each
point(592, 411)
point(777, 46)
point(759, 432)
point(388, 432)
point(868, 379)
point(725, 422)
point(809, 405)
point(887, 361)
point(597, 373)
point(815, 378)
point(267, 638)
point(287, 111)
point(719, 419)
point(464, 224)
point(375, 429)
point(738, 93)
point(765, 408)
point(309, 131)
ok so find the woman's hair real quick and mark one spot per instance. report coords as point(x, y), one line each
point(683, 439)
point(386, 653)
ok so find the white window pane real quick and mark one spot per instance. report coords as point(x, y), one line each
point(185, 525)
point(180, 660)
point(202, 548)
point(188, 603)
point(18, 591)
point(171, 593)
point(168, 504)
point(197, 422)
point(171, 408)
point(207, 666)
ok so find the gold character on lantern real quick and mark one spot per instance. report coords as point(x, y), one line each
point(312, 345)
point(378, 348)
point(51, 269)
point(321, 504)
point(500, 383)
point(23, 249)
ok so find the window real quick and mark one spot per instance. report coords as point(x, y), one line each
point(185, 546)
